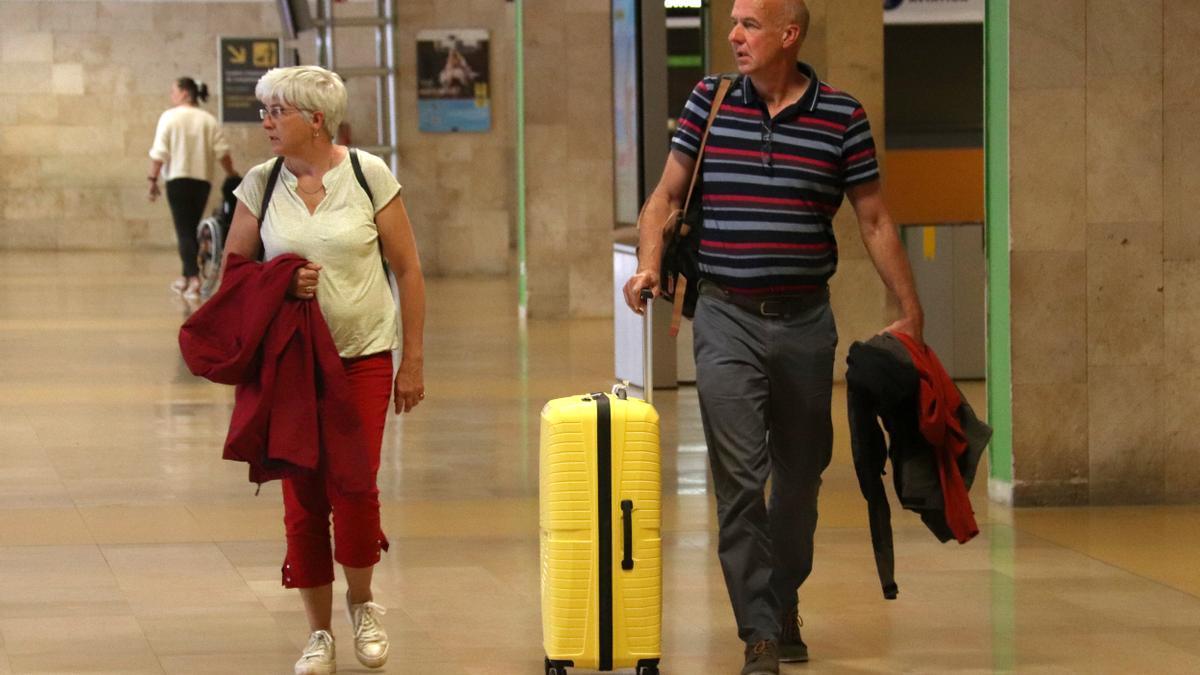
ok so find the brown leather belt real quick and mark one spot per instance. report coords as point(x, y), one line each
point(773, 307)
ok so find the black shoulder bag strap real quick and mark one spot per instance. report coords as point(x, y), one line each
point(362, 181)
point(269, 189)
point(723, 84)
point(362, 178)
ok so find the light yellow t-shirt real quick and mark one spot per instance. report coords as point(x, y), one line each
point(340, 236)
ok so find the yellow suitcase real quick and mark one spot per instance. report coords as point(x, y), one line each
point(601, 534)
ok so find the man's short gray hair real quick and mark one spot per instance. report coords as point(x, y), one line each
point(309, 88)
point(796, 11)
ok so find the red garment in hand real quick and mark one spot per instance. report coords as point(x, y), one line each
point(938, 413)
point(292, 404)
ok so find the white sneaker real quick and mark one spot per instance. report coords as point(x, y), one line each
point(370, 640)
point(318, 657)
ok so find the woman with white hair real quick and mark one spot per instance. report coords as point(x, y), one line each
point(340, 209)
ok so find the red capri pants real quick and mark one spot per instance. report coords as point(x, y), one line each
point(308, 500)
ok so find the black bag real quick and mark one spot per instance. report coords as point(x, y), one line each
point(681, 258)
point(679, 269)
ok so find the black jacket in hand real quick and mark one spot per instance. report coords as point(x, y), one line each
point(883, 384)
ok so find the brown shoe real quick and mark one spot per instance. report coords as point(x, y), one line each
point(762, 658)
point(791, 646)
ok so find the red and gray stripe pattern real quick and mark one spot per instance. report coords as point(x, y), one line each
point(772, 187)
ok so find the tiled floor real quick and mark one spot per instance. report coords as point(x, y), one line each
point(128, 546)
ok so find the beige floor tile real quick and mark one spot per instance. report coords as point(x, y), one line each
point(176, 566)
point(224, 664)
point(185, 602)
point(142, 524)
point(99, 663)
point(78, 635)
point(262, 521)
point(32, 485)
point(43, 527)
point(214, 631)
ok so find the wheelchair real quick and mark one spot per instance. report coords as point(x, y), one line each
point(211, 234)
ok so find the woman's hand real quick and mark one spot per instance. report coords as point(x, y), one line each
point(410, 385)
point(304, 282)
point(154, 190)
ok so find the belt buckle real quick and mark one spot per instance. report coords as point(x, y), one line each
point(762, 309)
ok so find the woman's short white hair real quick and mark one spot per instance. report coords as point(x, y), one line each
point(309, 88)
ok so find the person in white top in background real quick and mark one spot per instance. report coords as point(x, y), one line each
point(318, 210)
point(186, 143)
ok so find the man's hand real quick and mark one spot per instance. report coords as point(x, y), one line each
point(912, 326)
point(304, 282)
point(647, 279)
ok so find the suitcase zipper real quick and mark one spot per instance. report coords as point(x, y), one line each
point(604, 522)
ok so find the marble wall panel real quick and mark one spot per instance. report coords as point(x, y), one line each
point(1126, 437)
point(17, 17)
point(569, 190)
point(1125, 265)
point(1131, 336)
point(1124, 150)
point(27, 48)
point(1048, 177)
point(67, 16)
point(1050, 452)
point(115, 16)
point(1182, 460)
point(36, 234)
point(1049, 317)
point(1124, 39)
point(1048, 44)
point(1182, 315)
point(1181, 90)
point(1181, 175)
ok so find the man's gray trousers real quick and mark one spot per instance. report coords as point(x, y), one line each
point(765, 385)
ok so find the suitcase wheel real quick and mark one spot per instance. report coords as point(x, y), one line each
point(647, 670)
point(555, 669)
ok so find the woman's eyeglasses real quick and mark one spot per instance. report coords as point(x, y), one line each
point(275, 112)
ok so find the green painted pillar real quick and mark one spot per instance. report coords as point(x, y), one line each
point(999, 306)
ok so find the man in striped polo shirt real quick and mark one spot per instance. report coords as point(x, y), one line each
point(783, 151)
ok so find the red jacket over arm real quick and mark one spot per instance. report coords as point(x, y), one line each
point(292, 407)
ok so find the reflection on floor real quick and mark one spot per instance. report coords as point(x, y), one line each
point(128, 546)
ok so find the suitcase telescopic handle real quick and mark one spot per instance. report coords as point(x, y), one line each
point(647, 296)
point(627, 518)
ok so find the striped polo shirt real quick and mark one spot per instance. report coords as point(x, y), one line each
point(772, 186)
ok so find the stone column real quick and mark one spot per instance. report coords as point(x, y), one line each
point(1105, 252)
point(569, 157)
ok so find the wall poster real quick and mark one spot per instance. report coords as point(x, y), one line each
point(627, 112)
point(453, 85)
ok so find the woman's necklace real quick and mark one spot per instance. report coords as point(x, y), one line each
point(319, 189)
